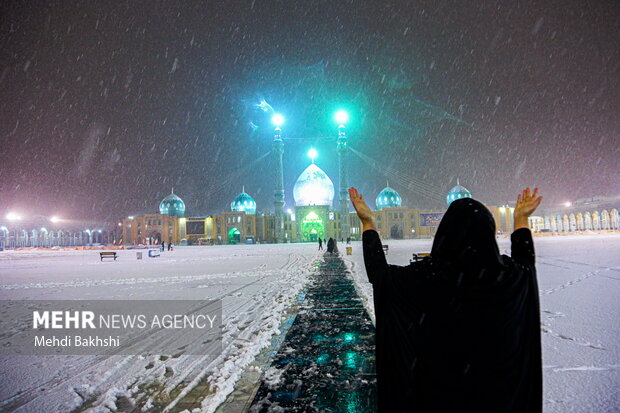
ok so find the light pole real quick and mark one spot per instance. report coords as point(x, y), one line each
point(278, 193)
point(342, 117)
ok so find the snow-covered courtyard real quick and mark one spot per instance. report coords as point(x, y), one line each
point(579, 279)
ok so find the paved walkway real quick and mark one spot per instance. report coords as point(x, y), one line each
point(326, 362)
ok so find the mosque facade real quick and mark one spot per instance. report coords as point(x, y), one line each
point(312, 217)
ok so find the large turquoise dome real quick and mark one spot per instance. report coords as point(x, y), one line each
point(313, 187)
point(388, 198)
point(244, 202)
point(457, 192)
point(172, 206)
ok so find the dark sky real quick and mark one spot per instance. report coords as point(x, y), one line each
point(106, 105)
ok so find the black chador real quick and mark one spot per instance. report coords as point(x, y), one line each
point(460, 330)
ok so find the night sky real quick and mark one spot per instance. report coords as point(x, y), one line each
point(107, 105)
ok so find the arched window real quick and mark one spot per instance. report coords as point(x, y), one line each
point(572, 222)
point(615, 219)
point(559, 221)
point(587, 221)
point(605, 219)
point(596, 222)
point(552, 224)
point(579, 222)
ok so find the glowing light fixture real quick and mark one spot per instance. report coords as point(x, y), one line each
point(567, 204)
point(312, 153)
point(11, 216)
point(54, 219)
point(341, 117)
point(277, 120)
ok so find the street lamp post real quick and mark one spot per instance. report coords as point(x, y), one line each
point(342, 117)
point(278, 193)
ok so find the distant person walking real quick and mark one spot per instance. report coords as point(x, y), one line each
point(320, 244)
point(460, 330)
point(169, 246)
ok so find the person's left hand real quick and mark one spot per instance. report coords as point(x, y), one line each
point(363, 211)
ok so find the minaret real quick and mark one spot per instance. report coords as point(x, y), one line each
point(278, 193)
point(344, 186)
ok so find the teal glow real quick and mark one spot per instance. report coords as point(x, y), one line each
point(277, 120)
point(354, 405)
point(323, 359)
point(341, 117)
point(349, 336)
point(350, 359)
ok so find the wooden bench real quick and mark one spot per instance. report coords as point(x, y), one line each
point(419, 256)
point(107, 254)
point(386, 249)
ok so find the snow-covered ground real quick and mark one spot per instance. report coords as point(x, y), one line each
point(257, 284)
point(579, 281)
point(579, 278)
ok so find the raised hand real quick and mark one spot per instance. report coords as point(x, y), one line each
point(526, 205)
point(363, 211)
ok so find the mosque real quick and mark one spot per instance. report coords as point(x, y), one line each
point(313, 216)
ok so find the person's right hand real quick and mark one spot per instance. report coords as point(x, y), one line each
point(527, 203)
point(363, 211)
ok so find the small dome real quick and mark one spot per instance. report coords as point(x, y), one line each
point(172, 206)
point(313, 187)
point(388, 198)
point(244, 202)
point(457, 192)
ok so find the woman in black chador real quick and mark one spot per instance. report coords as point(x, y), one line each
point(330, 245)
point(460, 330)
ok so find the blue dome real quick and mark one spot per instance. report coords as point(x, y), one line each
point(244, 202)
point(172, 206)
point(388, 198)
point(313, 187)
point(457, 192)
